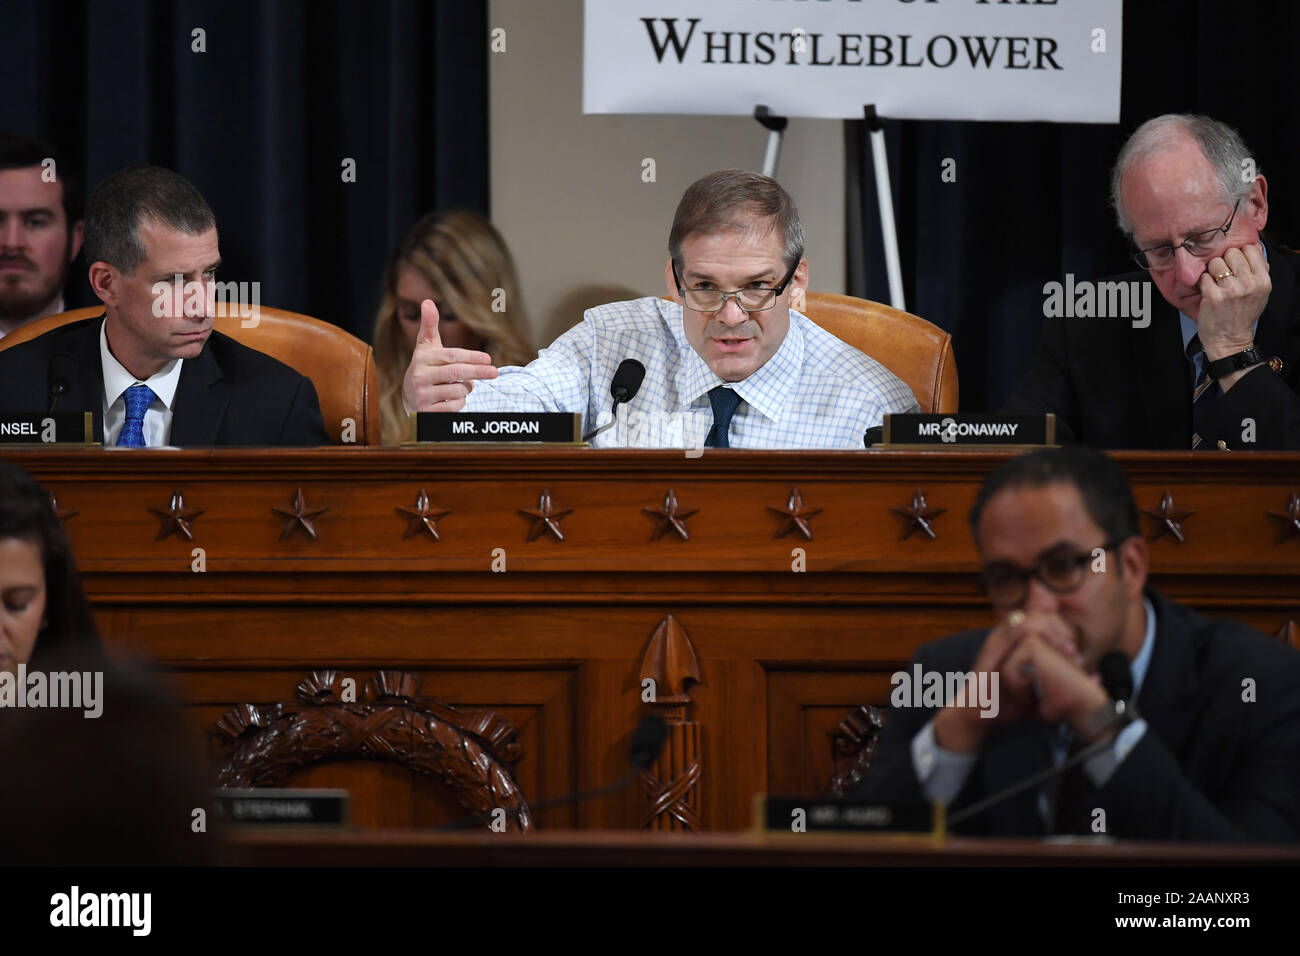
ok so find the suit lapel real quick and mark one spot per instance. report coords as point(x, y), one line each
point(87, 390)
point(1166, 699)
point(1159, 364)
point(200, 405)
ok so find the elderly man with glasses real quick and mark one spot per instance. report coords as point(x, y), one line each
point(728, 362)
point(1207, 743)
point(1217, 364)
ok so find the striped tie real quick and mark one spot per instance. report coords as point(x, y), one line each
point(138, 398)
point(1204, 393)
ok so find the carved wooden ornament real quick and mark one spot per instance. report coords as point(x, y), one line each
point(1169, 518)
point(546, 517)
point(670, 517)
point(472, 752)
point(422, 517)
point(920, 517)
point(176, 519)
point(672, 785)
point(796, 515)
point(300, 517)
point(1290, 518)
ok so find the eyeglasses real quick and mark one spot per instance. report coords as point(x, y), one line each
point(1061, 571)
point(1199, 245)
point(749, 300)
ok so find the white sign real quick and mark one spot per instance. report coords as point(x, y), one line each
point(1055, 60)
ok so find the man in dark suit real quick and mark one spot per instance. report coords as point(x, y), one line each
point(153, 366)
point(1215, 364)
point(1214, 753)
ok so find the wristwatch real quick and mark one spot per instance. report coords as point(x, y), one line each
point(1233, 363)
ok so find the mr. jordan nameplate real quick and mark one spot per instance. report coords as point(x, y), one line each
point(956, 431)
point(64, 428)
point(487, 427)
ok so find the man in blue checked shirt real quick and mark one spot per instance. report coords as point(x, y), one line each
point(728, 362)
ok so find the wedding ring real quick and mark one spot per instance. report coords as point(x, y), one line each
point(1016, 618)
point(1225, 275)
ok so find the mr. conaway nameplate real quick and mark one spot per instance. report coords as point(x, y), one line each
point(492, 427)
point(65, 428)
point(958, 431)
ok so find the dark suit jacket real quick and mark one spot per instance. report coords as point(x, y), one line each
point(1209, 767)
point(1114, 386)
point(228, 395)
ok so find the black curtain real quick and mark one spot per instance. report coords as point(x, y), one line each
point(263, 120)
point(1031, 200)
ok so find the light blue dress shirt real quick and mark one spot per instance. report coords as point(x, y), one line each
point(814, 392)
point(942, 773)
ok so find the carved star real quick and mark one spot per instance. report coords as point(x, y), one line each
point(1290, 518)
point(1169, 517)
point(176, 519)
point(59, 512)
point(919, 516)
point(422, 517)
point(546, 517)
point(299, 517)
point(670, 517)
point(796, 516)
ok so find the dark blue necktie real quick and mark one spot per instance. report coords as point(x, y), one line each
point(138, 399)
point(725, 401)
point(1204, 392)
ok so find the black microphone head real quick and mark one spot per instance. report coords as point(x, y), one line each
point(874, 435)
point(62, 370)
point(627, 380)
point(1116, 675)
point(649, 736)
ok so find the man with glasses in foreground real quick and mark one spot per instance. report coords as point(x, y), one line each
point(1214, 751)
point(730, 362)
point(1217, 364)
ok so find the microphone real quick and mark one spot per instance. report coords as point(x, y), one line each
point(647, 740)
point(1117, 678)
point(60, 374)
point(874, 436)
point(627, 382)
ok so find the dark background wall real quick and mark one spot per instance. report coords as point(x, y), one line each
point(288, 88)
point(263, 120)
point(1031, 203)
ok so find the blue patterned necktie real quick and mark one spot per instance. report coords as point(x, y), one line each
point(138, 399)
point(725, 401)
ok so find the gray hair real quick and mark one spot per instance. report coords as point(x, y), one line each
point(735, 200)
point(1219, 143)
point(121, 201)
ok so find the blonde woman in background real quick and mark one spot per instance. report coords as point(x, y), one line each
point(459, 260)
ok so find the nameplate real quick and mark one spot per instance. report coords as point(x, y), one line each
point(960, 430)
point(272, 806)
point(62, 428)
point(494, 427)
point(829, 815)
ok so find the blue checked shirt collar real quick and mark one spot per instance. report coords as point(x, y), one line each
point(768, 389)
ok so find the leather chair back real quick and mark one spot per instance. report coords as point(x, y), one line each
point(917, 351)
point(340, 365)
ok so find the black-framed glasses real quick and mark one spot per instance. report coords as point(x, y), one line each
point(1061, 570)
point(749, 300)
point(1199, 245)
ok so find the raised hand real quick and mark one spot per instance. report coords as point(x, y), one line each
point(439, 379)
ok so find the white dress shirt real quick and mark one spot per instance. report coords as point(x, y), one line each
point(158, 417)
point(814, 392)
